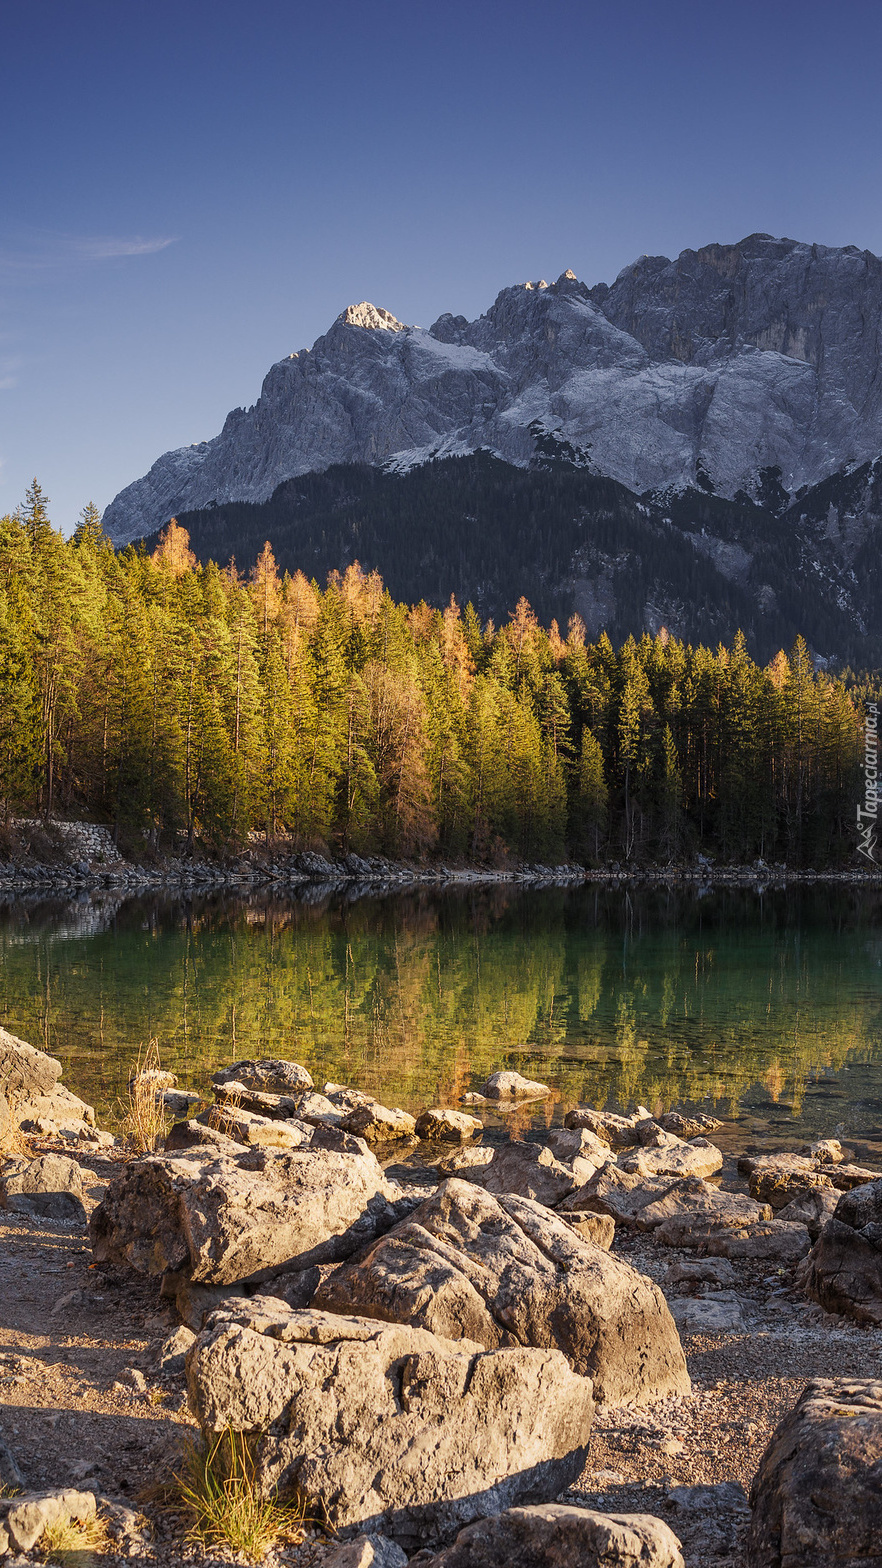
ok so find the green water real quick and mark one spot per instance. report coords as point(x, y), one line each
point(766, 1008)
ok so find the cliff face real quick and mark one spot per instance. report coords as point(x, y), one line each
point(707, 371)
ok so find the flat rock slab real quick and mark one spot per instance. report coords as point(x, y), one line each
point(721, 1313)
point(390, 1428)
point(620, 1194)
point(686, 1126)
point(843, 1271)
point(223, 1218)
point(817, 1498)
point(506, 1271)
point(699, 1158)
point(558, 1536)
point(771, 1240)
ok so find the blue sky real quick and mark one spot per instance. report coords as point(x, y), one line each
point(190, 191)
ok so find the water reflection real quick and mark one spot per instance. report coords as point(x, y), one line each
point(771, 1003)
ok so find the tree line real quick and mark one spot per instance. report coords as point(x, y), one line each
point(180, 701)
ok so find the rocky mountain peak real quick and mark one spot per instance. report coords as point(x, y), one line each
point(728, 363)
point(371, 316)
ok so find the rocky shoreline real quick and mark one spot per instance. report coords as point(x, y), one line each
point(616, 1345)
point(76, 858)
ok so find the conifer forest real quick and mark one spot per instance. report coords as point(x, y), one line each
point(190, 704)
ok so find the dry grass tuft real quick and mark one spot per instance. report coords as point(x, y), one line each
point(145, 1121)
point(74, 1543)
point(219, 1487)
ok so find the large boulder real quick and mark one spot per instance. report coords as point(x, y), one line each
point(269, 1075)
point(378, 1123)
point(620, 1132)
point(817, 1498)
point(224, 1217)
point(558, 1536)
point(812, 1207)
point(232, 1095)
point(8, 1126)
point(50, 1187)
point(843, 1271)
point(440, 1124)
point(507, 1271)
point(35, 1099)
point(386, 1427)
point(532, 1171)
point(622, 1195)
point(24, 1071)
point(778, 1178)
point(570, 1143)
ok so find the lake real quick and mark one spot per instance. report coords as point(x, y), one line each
point(765, 1009)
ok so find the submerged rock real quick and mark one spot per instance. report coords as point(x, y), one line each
point(505, 1271)
point(390, 1428)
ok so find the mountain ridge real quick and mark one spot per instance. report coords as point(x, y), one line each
point(705, 372)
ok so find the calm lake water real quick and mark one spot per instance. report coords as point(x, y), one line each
point(766, 1009)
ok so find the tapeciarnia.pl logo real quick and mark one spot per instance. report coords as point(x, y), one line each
point(868, 812)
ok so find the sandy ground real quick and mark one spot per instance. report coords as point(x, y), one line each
point(83, 1403)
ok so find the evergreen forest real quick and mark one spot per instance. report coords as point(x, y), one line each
point(189, 704)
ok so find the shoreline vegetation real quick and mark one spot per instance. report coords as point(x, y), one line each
point(192, 707)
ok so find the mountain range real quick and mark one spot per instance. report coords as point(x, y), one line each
point(698, 444)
